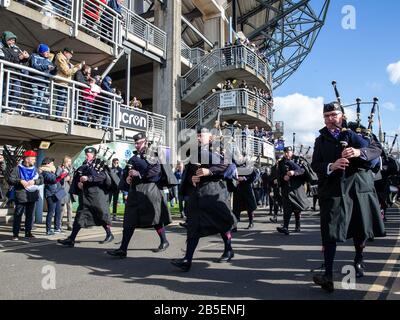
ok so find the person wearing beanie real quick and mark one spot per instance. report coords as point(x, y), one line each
point(26, 179)
point(41, 62)
point(9, 51)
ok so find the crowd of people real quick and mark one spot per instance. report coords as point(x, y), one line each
point(94, 105)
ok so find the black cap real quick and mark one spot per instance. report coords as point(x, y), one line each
point(139, 136)
point(287, 149)
point(91, 150)
point(47, 160)
point(333, 106)
point(69, 50)
point(202, 128)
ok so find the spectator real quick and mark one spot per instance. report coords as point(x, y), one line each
point(243, 85)
point(91, 14)
point(40, 61)
point(2, 173)
point(227, 51)
point(83, 75)
point(107, 18)
point(66, 70)
point(114, 195)
point(178, 174)
point(66, 202)
point(54, 193)
point(90, 108)
point(26, 180)
point(107, 105)
point(9, 51)
point(135, 103)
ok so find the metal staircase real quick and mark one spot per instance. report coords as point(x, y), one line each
point(230, 62)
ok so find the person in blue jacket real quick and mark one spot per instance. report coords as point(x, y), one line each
point(40, 61)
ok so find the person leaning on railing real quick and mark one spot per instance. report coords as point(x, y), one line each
point(107, 18)
point(9, 51)
point(40, 61)
point(91, 13)
point(67, 70)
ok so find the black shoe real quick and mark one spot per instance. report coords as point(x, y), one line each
point(117, 253)
point(313, 209)
point(273, 220)
point(283, 230)
point(67, 242)
point(109, 238)
point(324, 281)
point(297, 229)
point(29, 236)
point(250, 226)
point(162, 247)
point(183, 224)
point(182, 264)
point(359, 267)
point(234, 230)
point(226, 256)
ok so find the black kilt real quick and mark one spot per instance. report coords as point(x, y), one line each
point(208, 210)
point(146, 207)
point(93, 209)
point(244, 199)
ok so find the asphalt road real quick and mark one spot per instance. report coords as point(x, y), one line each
point(267, 265)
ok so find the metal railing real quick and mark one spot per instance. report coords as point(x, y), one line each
point(192, 55)
point(28, 92)
point(144, 30)
point(97, 19)
point(226, 58)
point(241, 100)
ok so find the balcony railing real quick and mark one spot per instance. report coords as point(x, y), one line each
point(146, 32)
point(28, 92)
point(241, 100)
point(97, 19)
point(192, 55)
point(223, 59)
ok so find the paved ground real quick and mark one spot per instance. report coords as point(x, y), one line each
point(267, 265)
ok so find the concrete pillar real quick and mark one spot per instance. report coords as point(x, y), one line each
point(166, 89)
point(215, 29)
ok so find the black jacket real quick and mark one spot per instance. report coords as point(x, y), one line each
point(21, 195)
point(349, 204)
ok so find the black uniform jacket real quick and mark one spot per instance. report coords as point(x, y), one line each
point(349, 203)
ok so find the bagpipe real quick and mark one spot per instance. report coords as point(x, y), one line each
point(354, 134)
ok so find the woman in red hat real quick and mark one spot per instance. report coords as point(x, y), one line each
point(26, 180)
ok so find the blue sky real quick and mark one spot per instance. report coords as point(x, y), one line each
point(356, 59)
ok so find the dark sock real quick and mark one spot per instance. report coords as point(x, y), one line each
point(297, 217)
point(191, 245)
point(74, 232)
point(359, 246)
point(251, 216)
point(161, 233)
point(126, 237)
point(329, 257)
point(227, 237)
point(107, 228)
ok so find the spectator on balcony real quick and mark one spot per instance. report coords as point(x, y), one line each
point(135, 103)
point(243, 85)
point(91, 13)
point(228, 85)
point(65, 69)
point(9, 51)
point(90, 107)
point(83, 75)
point(107, 18)
point(40, 61)
point(107, 104)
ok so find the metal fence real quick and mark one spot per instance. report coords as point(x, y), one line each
point(28, 92)
point(144, 30)
point(241, 100)
point(97, 19)
point(226, 58)
point(192, 55)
